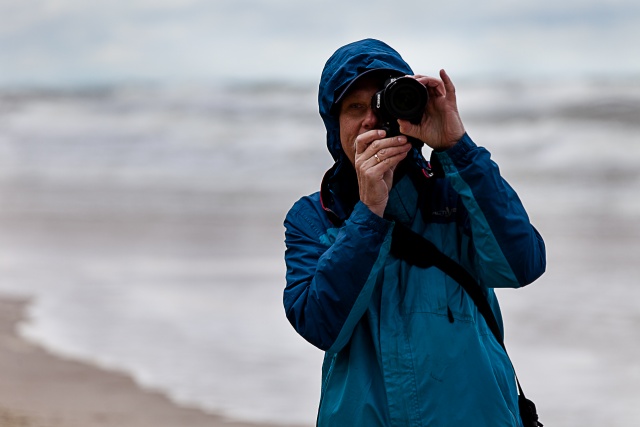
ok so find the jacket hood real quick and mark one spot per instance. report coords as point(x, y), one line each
point(347, 63)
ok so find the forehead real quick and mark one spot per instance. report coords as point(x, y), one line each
point(365, 85)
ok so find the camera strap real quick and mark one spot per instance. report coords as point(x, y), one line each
point(417, 250)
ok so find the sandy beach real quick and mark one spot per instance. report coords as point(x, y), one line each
point(39, 389)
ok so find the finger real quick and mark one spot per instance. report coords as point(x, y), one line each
point(390, 161)
point(448, 84)
point(386, 155)
point(410, 129)
point(364, 140)
point(435, 87)
point(377, 170)
point(385, 143)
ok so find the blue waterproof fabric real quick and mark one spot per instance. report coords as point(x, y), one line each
point(405, 346)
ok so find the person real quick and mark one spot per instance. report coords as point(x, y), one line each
point(404, 345)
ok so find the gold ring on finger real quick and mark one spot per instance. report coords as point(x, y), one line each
point(377, 158)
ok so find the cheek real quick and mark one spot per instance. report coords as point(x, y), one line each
point(347, 139)
point(349, 148)
point(350, 128)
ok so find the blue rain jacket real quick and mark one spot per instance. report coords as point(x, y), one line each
point(405, 346)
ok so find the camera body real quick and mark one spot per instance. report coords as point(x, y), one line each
point(400, 98)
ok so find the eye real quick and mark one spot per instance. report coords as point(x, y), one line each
point(356, 106)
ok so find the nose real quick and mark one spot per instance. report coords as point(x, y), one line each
point(370, 120)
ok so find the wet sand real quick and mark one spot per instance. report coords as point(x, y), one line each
point(38, 389)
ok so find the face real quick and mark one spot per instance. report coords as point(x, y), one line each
point(356, 115)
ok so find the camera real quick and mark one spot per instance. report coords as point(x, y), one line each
point(400, 98)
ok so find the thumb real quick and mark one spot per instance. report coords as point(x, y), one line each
point(409, 129)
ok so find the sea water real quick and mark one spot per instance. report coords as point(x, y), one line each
point(145, 225)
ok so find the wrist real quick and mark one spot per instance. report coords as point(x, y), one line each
point(376, 209)
point(362, 214)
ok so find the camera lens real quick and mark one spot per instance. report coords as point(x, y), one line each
point(405, 98)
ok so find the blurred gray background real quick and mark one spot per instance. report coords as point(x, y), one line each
point(149, 151)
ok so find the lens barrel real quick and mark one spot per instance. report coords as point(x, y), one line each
point(405, 98)
point(400, 98)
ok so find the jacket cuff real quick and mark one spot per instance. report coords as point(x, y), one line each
point(362, 215)
point(456, 153)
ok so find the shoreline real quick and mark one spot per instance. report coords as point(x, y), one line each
point(40, 389)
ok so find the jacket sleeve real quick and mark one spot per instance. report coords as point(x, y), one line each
point(509, 251)
point(330, 282)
